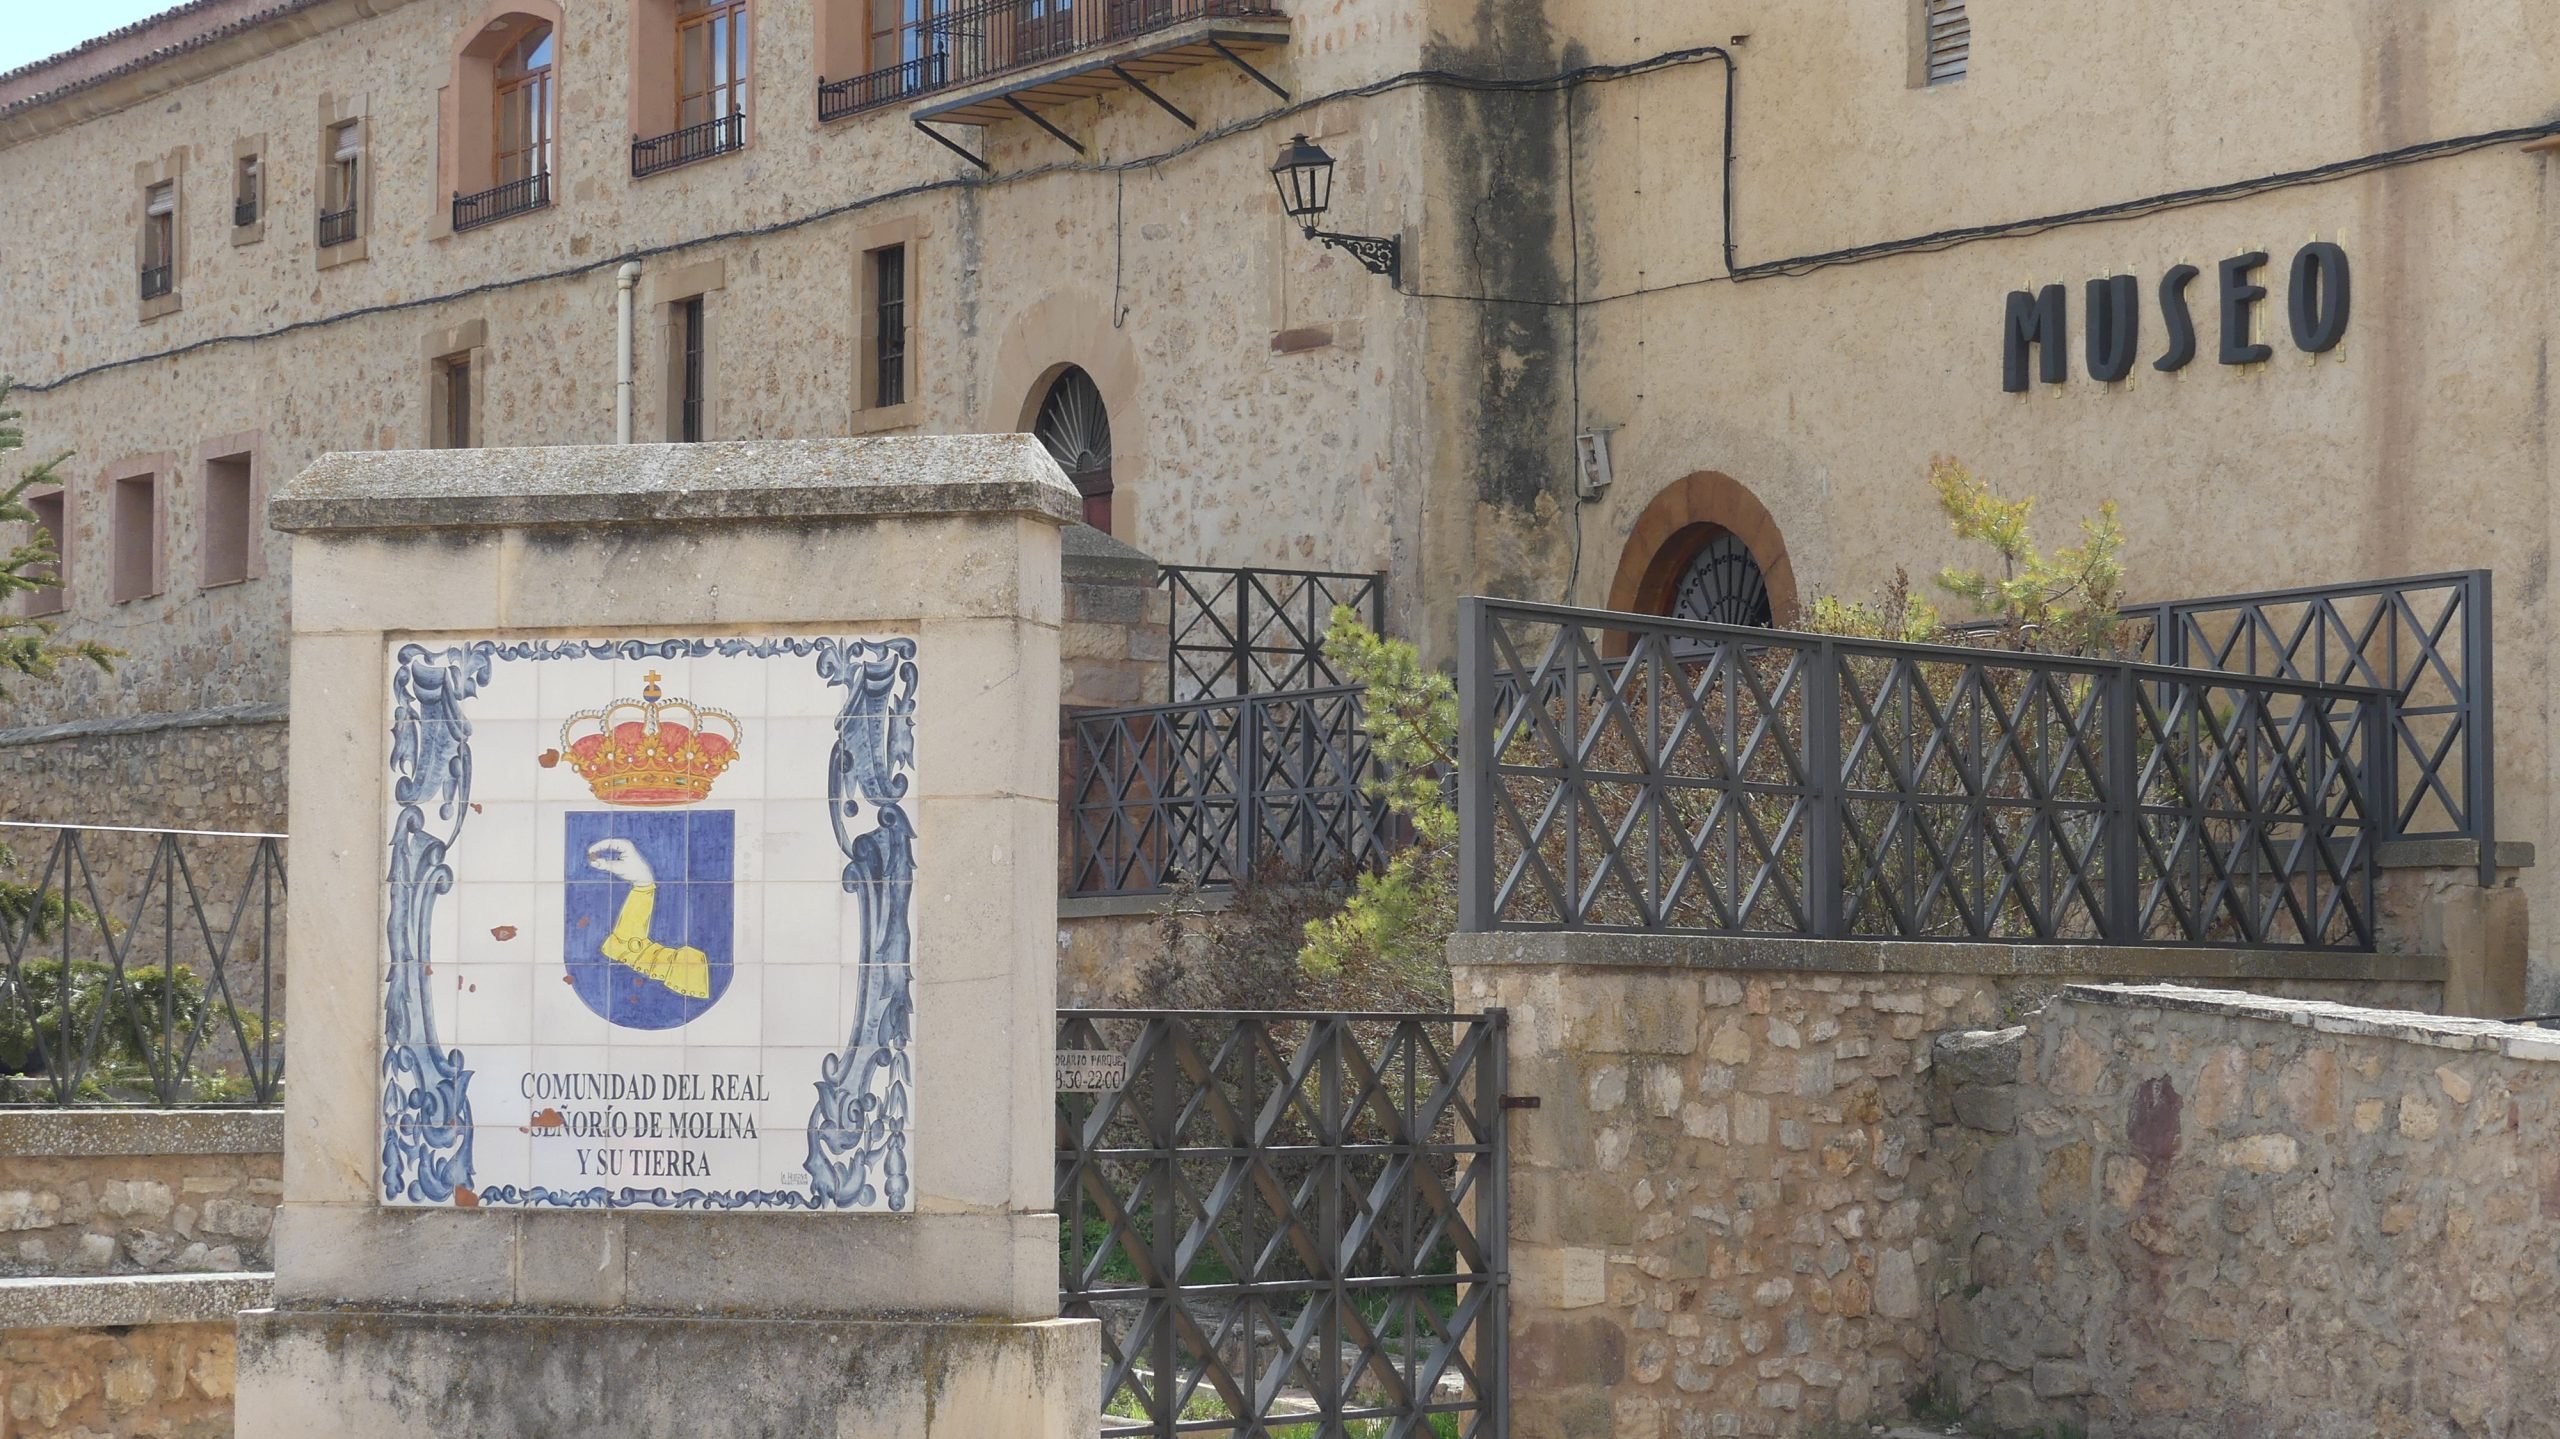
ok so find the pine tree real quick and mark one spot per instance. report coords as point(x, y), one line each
point(28, 644)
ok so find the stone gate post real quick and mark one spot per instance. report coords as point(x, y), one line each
point(672, 998)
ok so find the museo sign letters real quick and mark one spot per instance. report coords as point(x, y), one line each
point(2317, 296)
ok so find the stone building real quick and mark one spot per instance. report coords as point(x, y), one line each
point(1687, 296)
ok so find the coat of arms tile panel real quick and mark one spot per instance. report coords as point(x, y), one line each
point(650, 933)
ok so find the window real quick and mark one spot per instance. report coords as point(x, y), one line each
point(230, 520)
point(1945, 41)
point(889, 326)
point(51, 599)
point(248, 190)
point(341, 183)
point(524, 109)
point(711, 61)
point(134, 538)
point(1076, 429)
point(454, 420)
point(689, 376)
point(159, 239)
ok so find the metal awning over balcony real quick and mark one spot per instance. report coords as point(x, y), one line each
point(985, 61)
point(1129, 62)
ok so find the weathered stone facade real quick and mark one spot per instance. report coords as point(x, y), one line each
point(98, 1192)
point(1730, 1209)
point(156, 1381)
point(2183, 1214)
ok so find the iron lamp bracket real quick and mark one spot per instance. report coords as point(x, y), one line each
point(1379, 254)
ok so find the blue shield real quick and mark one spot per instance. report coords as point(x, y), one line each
point(636, 965)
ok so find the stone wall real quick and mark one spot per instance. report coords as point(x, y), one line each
point(1115, 643)
point(1727, 1214)
point(98, 1192)
point(2180, 1212)
point(216, 769)
point(167, 1381)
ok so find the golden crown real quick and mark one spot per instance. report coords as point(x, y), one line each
point(650, 751)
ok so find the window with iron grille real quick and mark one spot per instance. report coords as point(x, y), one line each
point(248, 191)
point(340, 183)
point(1946, 41)
point(159, 239)
point(689, 360)
point(889, 318)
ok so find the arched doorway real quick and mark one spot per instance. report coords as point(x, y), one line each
point(1076, 429)
point(1706, 549)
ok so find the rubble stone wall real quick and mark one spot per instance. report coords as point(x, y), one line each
point(2180, 1212)
point(103, 1192)
point(1730, 1214)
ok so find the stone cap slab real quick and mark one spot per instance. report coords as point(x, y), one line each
point(2441, 1031)
point(81, 1132)
point(1908, 956)
point(122, 1299)
point(881, 477)
point(2450, 854)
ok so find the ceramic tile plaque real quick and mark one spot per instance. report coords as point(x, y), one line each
point(649, 935)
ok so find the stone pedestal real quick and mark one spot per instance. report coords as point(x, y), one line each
point(673, 989)
point(2429, 900)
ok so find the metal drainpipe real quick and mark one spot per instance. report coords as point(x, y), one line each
point(624, 280)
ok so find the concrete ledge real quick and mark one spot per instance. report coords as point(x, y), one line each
point(330, 1373)
point(2516, 1041)
point(1091, 557)
point(908, 476)
point(53, 1302)
point(84, 1132)
point(1904, 956)
point(2449, 854)
point(220, 716)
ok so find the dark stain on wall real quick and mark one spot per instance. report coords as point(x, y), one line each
point(1505, 161)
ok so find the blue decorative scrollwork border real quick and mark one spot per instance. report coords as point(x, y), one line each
point(858, 1135)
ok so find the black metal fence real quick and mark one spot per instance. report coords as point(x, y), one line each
point(2425, 638)
point(140, 966)
point(1289, 1224)
point(337, 227)
point(1251, 631)
point(1209, 791)
point(515, 197)
point(1631, 773)
point(156, 280)
point(959, 44)
point(717, 136)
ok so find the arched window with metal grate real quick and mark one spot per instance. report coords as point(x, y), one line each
point(1076, 429)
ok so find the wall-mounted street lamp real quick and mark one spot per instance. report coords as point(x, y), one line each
point(1304, 174)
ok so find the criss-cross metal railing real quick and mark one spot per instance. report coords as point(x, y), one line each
point(1208, 792)
point(2425, 638)
point(1289, 1224)
point(140, 966)
point(1250, 631)
point(1627, 772)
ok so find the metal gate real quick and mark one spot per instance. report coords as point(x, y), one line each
point(1289, 1224)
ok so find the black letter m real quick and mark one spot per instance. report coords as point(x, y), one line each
point(2036, 319)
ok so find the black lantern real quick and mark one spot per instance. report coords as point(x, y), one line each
point(1304, 176)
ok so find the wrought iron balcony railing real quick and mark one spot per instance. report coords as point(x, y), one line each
point(1207, 792)
point(244, 213)
point(500, 201)
point(156, 280)
point(140, 966)
point(1247, 631)
point(337, 227)
point(1622, 772)
point(966, 43)
point(920, 76)
point(694, 142)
